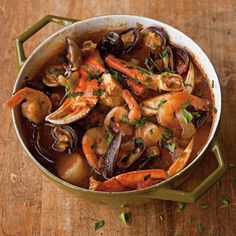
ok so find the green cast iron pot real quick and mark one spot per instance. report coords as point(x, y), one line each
point(164, 190)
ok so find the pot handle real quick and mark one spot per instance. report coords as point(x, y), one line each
point(21, 58)
point(168, 193)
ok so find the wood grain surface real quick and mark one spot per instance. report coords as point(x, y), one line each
point(31, 205)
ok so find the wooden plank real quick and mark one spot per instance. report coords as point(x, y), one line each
point(32, 205)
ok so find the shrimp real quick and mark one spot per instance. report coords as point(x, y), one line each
point(113, 90)
point(119, 113)
point(166, 107)
point(150, 133)
point(166, 113)
point(135, 111)
point(115, 119)
point(36, 107)
point(94, 145)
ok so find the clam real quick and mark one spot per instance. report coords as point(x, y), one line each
point(155, 38)
point(51, 75)
point(130, 38)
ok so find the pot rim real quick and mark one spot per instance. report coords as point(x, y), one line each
point(216, 117)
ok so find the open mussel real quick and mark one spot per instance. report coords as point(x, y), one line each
point(118, 44)
point(181, 60)
point(111, 43)
point(74, 54)
point(52, 139)
point(160, 61)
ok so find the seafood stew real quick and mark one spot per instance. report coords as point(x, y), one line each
point(118, 111)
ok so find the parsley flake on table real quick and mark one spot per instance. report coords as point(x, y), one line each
point(224, 201)
point(125, 216)
point(181, 206)
point(99, 224)
point(201, 228)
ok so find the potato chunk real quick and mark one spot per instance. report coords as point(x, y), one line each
point(73, 169)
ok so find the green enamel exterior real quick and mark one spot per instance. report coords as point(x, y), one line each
point(162, 191)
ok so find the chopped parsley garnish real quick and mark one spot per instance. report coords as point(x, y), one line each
point(88, 77)
point(139, 141)
point(171, 146)
point(96, 92)
point(115, 76)
point(151, 131)
point(99, 224)
point(196, 114)
point(166, 134)
point(212, 83)
point(141, 122)
point(125, 216)
point(100, 80)
point(161, 103)
point(164, 74)
point(143, 71)
point(148, 79)
point(109, 136)
point(187, 116)
point(99, 92)
point(150, 67)
point(164, 54)
point(178, 156)
point(215, 109)
point(129, 67)
point(224, 201)
point(96, 74)
point(201, 228)
point(125, 119)
point(102, 91)
point(181, 206)
point(136, 80)
point(204, 206)
point(186, 104)
point(68, 92)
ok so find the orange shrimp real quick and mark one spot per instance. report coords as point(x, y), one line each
point(135, 111)
point(94, 145)
point(36, 107)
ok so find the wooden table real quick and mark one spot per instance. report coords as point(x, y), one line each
point(32, 205)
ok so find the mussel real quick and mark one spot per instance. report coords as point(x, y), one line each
point(111, 43)
point(118, 44)
point(160, 61)
point(52, 139)
point(181, 60)
point(74, 54)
